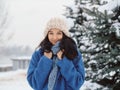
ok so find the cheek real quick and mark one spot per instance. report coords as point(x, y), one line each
point(61, 36)
point(49, 38)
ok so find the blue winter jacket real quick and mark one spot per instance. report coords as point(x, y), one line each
point(70, 76)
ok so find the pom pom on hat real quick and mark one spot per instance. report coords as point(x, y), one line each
point(58, 23)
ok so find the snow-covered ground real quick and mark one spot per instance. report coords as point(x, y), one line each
point(16, 80)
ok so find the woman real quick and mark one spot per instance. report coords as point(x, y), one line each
point(57, 64)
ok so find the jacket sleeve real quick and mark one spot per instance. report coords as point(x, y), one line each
point(73, 73)
point(38, 70)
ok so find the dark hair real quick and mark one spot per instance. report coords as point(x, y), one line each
point(67, 44)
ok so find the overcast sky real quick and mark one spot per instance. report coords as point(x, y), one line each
point(28, 18)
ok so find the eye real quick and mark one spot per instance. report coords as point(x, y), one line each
point(51, 33)
point(59, 33)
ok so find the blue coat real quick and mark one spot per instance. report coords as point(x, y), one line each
point(70, 76)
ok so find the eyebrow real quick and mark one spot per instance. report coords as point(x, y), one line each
point(58, 31)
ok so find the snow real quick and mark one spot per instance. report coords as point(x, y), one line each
point(5, 65)
point(110, 6)
point(16, 80)
point(21, 58)
point(112, 73)
point(90, 86)
point(117, 26)
point(92, 61)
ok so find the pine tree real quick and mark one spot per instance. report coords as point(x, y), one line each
point(98, 38)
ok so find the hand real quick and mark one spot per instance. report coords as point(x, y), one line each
point(48, 54)
point(59, 54)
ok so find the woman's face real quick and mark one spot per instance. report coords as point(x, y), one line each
point(55, 35)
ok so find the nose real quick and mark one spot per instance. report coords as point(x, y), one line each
point(55, 38)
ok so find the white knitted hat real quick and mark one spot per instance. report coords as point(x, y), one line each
point(58, 23)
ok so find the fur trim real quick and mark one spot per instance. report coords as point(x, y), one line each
point(57, 23)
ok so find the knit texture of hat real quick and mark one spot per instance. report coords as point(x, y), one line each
point(58, 23)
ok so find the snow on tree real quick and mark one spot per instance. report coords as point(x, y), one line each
point(96, 30)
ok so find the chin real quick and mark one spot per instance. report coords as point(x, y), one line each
point(53, 43)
